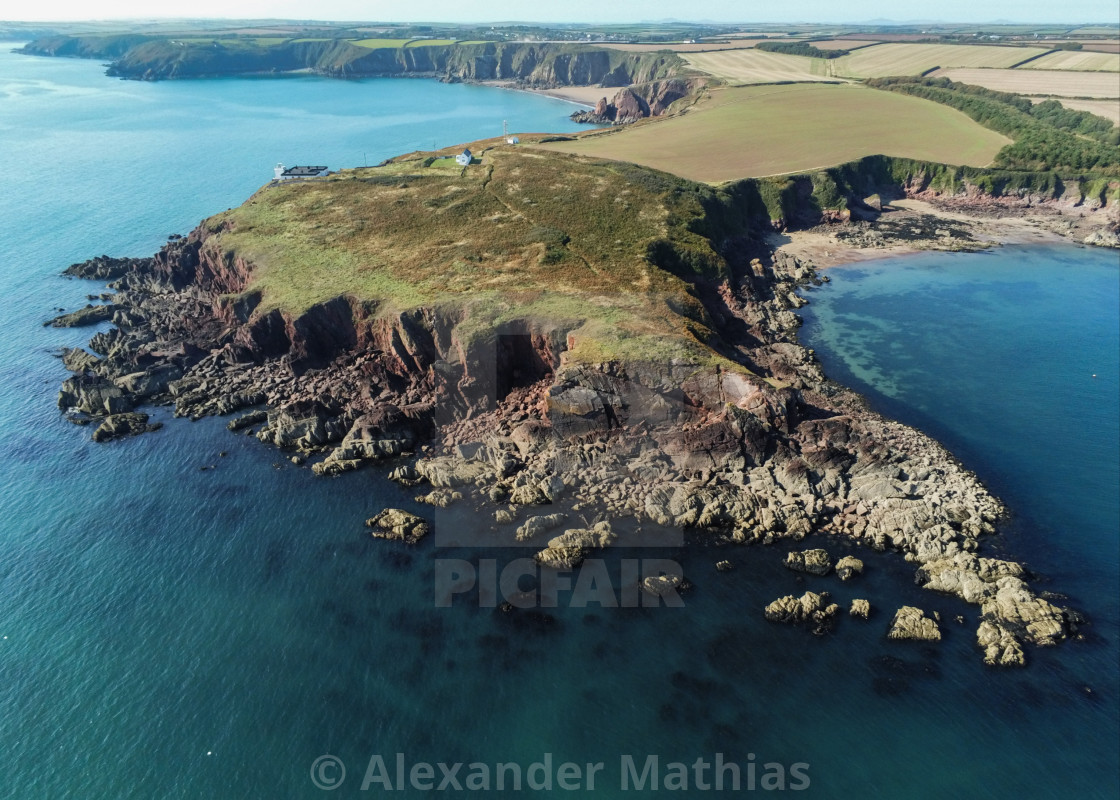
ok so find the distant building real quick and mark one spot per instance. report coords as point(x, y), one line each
point(464, 158)
point(283, 173)
point(512, 140)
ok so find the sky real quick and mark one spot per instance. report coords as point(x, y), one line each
point(594, 11)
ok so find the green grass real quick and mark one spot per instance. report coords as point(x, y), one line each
point(606, 250)
point(770, 130)
point(430, 42)
point(380, 44)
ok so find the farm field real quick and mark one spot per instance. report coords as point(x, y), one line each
point(1081, 61)
point(695, 47)
point(895, 58)
point(843, 44)
point(772, 130)
point(1109, 109)
point(758, 66)
point(1095, 30)
point(1038, 82)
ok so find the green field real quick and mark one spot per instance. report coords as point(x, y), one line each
point(1078, 61)
point(380, 44)
point(757, 66)
point(430, 42)
point(772, 130)
point(895, 58)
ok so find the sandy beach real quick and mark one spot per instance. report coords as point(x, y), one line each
point(824, 248)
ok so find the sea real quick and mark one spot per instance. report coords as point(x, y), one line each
point(187, 614)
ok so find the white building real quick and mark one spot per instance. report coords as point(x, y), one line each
point(283, 173)
point(464, 158)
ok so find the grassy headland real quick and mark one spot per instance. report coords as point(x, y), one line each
point(613, 252)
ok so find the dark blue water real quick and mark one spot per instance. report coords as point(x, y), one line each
point(174, 632)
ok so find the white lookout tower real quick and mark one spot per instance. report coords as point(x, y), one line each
point(278, 171)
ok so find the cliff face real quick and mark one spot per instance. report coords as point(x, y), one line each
point(639, 101)
point(543, 65)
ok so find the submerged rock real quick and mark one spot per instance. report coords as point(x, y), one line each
point(661, 585)
point(90, 315)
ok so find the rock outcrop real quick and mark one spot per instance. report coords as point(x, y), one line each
point(633, 103)
point(569, 549)
point(129, 423)
point(811, 608)
point(815, 562)
point(912, 623)
point(401, 526)
point(860, 608)
point(848, 567)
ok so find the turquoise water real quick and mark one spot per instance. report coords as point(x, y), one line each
point(172, 632)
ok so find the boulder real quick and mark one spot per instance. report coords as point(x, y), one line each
point(399, 525)
point(92, 394)
point(149, 382)
point(912, 623)
point(130, 423)
point(534, 526)
point(440, 498)
point(246, 420)
point(335, 466)
point(569, 549)
point(860, 608)
point(406, 475)
point(814, 562)
point(75, 359)
point(848, 567)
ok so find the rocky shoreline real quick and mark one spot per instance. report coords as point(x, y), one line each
point(554, 454)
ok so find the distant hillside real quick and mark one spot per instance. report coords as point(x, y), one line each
point(535, 64)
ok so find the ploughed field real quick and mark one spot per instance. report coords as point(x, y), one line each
point(1077, 61)
point(896, 58)
point(758, 66)
point(771, 130)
